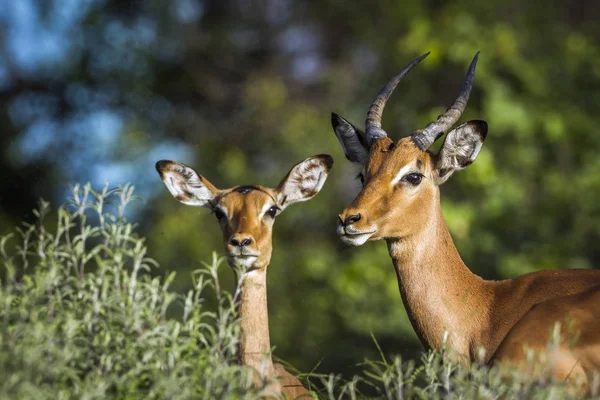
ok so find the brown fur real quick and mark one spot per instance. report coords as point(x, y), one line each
point(245, 218)
point(441, 294)
point(255, 346)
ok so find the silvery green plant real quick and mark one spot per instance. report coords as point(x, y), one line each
point(83, 316)
point(441, 375)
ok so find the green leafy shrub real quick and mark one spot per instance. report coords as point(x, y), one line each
point(439, 375)
point(82, 316)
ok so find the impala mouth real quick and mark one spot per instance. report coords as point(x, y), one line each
point(352, 236)
point(243, 259)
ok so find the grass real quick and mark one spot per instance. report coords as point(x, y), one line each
point(83, 316)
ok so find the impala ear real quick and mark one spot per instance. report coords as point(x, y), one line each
point(461, 147)
point(304, 180)
point(185, 184)
point(351, 138)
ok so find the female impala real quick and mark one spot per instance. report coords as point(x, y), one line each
point(400, 202)
point(246, 215)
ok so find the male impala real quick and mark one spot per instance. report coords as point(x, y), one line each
point(400, 202)
point(246, 215)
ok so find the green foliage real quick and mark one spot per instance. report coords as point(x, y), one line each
point(437, 375)
point(83, 317)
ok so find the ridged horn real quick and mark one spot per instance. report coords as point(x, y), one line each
point(427, 136)
point(373, 123)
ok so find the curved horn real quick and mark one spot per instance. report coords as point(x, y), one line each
point(426, 137)
point(373, 123)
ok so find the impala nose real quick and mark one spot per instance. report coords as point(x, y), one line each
point(349, 220)
point(240, 240)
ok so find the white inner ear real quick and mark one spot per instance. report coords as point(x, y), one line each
point(460, 147)
point(303, 182)
point(186, 186)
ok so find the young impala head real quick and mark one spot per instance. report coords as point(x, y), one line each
point(400, 180)
point(246, 213)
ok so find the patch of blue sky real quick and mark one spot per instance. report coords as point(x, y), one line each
point(35, 141)
point(32, 43)
point(301, 42)
point(298, 39)
point(105, 126)
point(188, 11)
point(140, 169)
point(85, 138)
point(278, 11)
point(31, 106)
point(307, 67)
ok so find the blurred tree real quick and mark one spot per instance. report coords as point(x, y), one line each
point(100, 90)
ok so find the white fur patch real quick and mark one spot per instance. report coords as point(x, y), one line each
point(266, 208)
point(185, 185)
point(461, 147)
point(303, 182)
point(244, 262)
point(355, 240)
point(403, 171)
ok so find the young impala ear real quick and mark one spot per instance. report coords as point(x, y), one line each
point(304, 180)
point(352, 140)
point(461, 147)
point(185, 184)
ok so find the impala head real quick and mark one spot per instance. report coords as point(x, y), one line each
point(246, 213)
point(400, 179)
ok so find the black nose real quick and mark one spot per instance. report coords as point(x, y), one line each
point(240, 242)
point(351, 219)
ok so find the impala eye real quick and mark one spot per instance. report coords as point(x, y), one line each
point(361, 178)
point(219, 214)
point(272, 212)
point(414, 178)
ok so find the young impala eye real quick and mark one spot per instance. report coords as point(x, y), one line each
point(219, 214)
point(272, 212)
point(361, 178)
point(413, 179)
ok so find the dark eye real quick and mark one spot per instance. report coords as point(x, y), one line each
point(272, 212)
point(219, 214)
point(361, 178)
point(413, 179)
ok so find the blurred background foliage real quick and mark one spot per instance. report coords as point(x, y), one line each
point(97, 90)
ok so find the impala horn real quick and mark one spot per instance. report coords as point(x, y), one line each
point(373, 123)
point(423, 138)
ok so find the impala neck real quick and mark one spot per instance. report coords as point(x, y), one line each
point(439, 292)
point(255, 345)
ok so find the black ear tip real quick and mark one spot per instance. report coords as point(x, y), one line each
point(326, 159)
point(335, 120)
point(480, 127)
point(160, 165)
point(483, 129)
